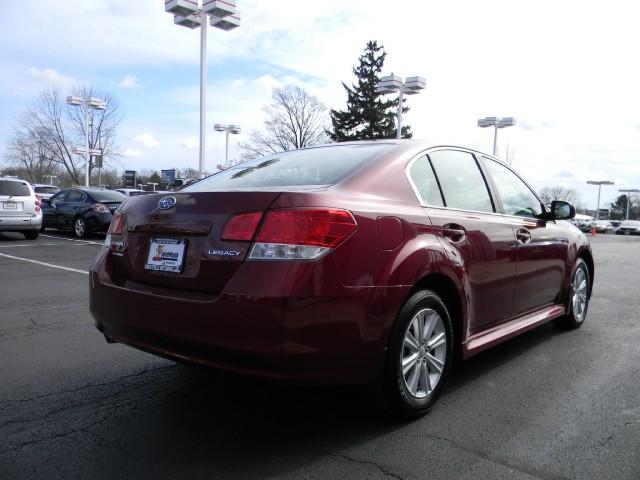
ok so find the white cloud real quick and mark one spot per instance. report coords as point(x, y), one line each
point(129, 81)
point(51, 77)
point(147, 140)
point(191, 143)
point(132, 152)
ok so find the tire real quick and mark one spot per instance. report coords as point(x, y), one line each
point(579, 296)
point(31, 234)
point(79, 227)
point(412, 391)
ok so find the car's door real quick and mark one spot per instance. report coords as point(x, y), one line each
point(543, 245)
point(74, 204)
point(479, 242)
point(50, 209)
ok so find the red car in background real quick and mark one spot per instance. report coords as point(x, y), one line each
point(366, 263)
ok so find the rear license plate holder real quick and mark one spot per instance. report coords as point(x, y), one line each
point(166, 255)
point(10, 205)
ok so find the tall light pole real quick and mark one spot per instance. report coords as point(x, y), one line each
point(51, 177)
point(599, 183)
point(496, 123)
point(628, 191)
point(393, 83)
point(94, 103)
point(234, 129)
point(188, 13)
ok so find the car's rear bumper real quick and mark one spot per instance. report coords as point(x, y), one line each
point(331, 335)
point(17, 223)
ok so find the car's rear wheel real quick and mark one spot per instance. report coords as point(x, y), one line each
point(80, 227)
point(421, 354)
point(31, 234)
point(579, 295)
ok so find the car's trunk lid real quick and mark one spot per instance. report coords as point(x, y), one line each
point(194, 225)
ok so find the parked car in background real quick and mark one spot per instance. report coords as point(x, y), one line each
point(583, 222)
point(81, 210)
point(131, 192)
point(20, 209)
point(629, 227)
point(367, 263)
point(603, 226)
point(45, 191)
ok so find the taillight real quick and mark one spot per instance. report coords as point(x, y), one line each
point(301, 234)
point(241, 227)
point(100, 208)
point(37, 209)
point(117, 224)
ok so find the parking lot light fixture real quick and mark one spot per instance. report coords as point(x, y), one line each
point(94, 103)
point(496, 123)
point(233, 129)
point(599, 183)
point(393, 83)
point(193, 14)
point(628, 191)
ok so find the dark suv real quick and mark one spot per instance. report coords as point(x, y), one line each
point(372, 263)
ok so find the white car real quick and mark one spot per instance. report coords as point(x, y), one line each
point(45, 192)
point(19, 208)
point(132, 192)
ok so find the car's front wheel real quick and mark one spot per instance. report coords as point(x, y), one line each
point(80, 227)
point(579, 295)
point(421, 354)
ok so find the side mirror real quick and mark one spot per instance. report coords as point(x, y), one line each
point(562, 210)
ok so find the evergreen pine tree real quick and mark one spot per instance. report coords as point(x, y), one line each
point(368, 115)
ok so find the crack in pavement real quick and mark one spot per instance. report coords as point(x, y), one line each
point(381, 468)
point(527, 470)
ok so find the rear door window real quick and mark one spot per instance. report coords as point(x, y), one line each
point(14, 189)
point(76, 196)
point(425, 183)
point(463, 185)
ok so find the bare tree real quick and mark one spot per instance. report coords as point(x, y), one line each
point(295, 119)
point(548, 194)
point(30, 155)
point(52, 129)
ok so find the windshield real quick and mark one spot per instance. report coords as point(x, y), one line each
point(315, 166)
point(17, 189)
point(107, 196)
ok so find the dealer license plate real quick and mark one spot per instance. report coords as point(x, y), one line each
point(166, 255)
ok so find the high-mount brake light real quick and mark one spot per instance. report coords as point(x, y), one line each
point(242, 227)
point(301, 234)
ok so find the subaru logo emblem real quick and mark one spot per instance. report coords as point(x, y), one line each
point(166, 203)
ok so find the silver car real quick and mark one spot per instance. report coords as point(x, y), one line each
point(45, 192)
point(19, 208)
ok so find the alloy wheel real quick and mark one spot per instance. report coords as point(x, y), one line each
point(79, 227)
point(423, 353)
point(579, 299)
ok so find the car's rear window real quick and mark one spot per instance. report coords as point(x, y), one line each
point(17, 189)
point(46, 189)
point(315, 166)
point(108, 196)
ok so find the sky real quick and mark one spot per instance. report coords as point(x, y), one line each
point(567, 71)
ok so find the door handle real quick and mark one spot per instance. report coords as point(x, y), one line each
point(523, 235)
point(454, 232)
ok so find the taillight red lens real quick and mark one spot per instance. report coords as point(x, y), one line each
point(117, 224)
point(317, 227)
point(37, 209)
point(242, 227)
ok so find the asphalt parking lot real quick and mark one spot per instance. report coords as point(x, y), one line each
point(549, 404)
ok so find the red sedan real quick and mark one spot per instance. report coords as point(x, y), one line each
point(370, 263)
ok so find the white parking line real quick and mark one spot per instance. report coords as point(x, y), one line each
point(37, 245)
point(72, 239)
point(44, 264)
